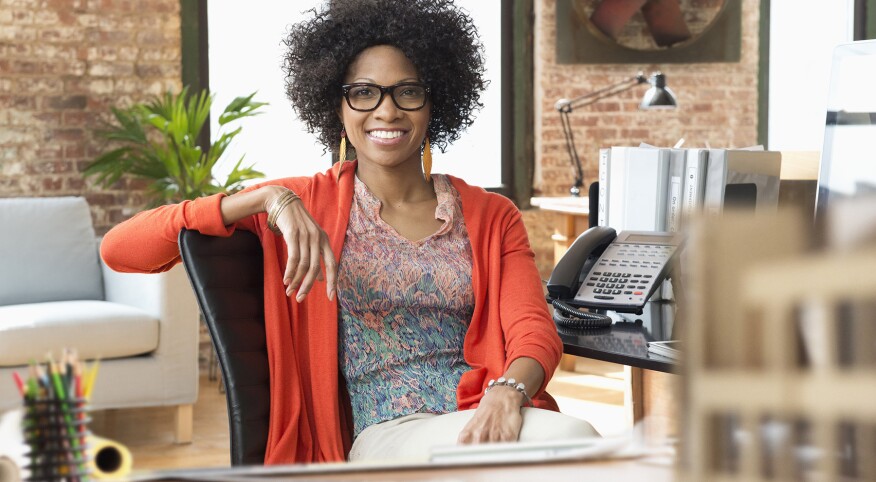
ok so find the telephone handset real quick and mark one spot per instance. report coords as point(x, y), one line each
point(604, 270)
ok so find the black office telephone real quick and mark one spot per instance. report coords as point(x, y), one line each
point(607, 271)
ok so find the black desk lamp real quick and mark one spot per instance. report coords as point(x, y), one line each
point(657, 97)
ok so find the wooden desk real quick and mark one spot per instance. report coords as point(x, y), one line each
point(575, 216)
point(612, 470)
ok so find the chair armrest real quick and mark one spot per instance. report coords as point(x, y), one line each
point(167, 296)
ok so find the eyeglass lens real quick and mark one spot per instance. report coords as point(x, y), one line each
point(368, 96)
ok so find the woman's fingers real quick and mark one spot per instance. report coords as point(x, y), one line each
point(291, 260)
point(312, 272)
point(306, 243)
point(303, 263)
point(331, 268)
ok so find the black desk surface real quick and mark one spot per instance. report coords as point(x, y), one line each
point(626, 342)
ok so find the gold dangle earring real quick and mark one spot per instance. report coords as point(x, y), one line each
point(427, 161)
point(342, 152)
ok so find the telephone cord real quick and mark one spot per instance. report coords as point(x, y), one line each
point(565, 315)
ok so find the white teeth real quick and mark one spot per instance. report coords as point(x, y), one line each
point(386, 134)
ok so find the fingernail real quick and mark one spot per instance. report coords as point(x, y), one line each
point(299, 297)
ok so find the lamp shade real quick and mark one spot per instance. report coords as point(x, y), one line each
point(658, 96)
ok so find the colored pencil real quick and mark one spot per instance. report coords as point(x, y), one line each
point(19, 383)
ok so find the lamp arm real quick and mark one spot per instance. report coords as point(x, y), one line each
point(565, 106)
point(568, 105)
point(573, 153)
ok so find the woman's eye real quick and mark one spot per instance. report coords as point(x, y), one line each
point(363, 92)
point(412, 92)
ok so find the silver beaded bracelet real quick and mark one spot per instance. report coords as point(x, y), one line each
point(510, 382)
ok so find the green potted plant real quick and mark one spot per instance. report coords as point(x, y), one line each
point(158, 141)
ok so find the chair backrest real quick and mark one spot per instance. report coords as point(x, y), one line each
point(227, 277)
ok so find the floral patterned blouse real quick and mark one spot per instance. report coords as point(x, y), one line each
point(404, 309)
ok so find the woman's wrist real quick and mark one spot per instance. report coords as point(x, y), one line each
point(277, 206)
point(509, 386)
point(505, 395)
point(249, 203)
point(269, 195)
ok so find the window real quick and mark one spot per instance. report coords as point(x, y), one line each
point(245, 55)
point(801, 42)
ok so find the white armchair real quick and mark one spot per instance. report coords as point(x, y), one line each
point(55, 293)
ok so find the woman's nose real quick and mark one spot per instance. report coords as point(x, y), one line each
point(386, 109)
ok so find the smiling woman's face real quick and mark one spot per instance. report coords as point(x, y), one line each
point(387, 136)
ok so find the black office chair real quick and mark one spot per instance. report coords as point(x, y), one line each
point(227, 277)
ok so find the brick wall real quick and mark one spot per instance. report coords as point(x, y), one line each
point(63, 63)
point(717, 105)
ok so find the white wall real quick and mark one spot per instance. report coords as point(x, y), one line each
point(803, 34)
point(245, 52)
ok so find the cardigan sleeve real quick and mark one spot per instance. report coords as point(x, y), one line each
point(147, 242)
point(526, 322)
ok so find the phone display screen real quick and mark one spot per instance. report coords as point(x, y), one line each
point(648, 239)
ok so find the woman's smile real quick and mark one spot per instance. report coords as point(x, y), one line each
point(386, 137)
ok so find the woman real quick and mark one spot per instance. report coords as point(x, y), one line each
point(403, 309)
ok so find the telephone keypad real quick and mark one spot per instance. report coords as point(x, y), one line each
point(634, 272)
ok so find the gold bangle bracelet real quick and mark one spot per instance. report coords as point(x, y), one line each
point(277, 207)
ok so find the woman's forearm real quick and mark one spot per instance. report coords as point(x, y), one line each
point(247, 203)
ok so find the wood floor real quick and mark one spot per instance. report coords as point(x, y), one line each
point(594, 391)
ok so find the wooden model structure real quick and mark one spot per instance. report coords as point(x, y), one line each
point(780, 368)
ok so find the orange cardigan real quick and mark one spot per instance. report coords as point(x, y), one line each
point(310, 412)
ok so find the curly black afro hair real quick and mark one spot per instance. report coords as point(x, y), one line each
point(439, 38)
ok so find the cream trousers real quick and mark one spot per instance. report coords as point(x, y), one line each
point(412, 436)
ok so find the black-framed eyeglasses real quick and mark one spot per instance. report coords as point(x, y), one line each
point(365, 97)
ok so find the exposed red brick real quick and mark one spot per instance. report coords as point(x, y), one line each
point(67, 102)
point(76, 184)
point(64, 135)
point(52, 183)
point(48, 118)
point(17, 102)
point(74, 152)
point(48, 152)
point(49, 167)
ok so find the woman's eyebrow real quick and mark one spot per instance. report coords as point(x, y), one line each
point(372, 81)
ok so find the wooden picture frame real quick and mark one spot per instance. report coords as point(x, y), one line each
point(581, 43)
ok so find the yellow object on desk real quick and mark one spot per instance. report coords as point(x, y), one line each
point(109, 459)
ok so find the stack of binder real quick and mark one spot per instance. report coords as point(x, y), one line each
point(656, 189)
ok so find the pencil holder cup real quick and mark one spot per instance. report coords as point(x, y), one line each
point(56, 432)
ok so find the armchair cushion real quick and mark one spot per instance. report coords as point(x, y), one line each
point(98, 329)
point(49, 251)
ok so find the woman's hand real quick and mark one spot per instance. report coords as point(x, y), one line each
point(497, 418)
point(306, 243)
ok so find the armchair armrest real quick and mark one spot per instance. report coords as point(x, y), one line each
point(168, 297)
